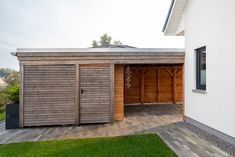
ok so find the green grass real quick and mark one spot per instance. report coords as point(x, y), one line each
point(126, 146)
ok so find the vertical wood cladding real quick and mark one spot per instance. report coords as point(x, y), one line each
point(49, 95)
point(155, 85)
point(119, 92)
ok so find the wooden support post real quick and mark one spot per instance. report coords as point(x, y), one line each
point(142, 87)
point(158, 85)
point(174, 86)
point(183, 89)
point(118, 92)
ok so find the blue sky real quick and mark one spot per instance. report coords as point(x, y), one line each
point(75, 23)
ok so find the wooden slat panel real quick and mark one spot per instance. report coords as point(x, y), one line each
point(179, 86)
point(133, 94)
point(119, 92)
point(95, 100)
point(158, 85)
point(49, 95)
point(165, 88)
point(150, 91)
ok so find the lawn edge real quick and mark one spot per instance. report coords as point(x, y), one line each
point(75, 139)
point(168, 144)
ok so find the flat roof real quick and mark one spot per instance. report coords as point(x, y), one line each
point(84, 51)
point(98, 55)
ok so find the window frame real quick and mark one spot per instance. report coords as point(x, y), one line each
point(199, 51)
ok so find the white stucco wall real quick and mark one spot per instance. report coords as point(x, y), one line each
point(211, 23)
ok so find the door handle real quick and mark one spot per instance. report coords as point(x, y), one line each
point(82, 91)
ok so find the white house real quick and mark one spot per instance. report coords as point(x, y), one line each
point(209, 30)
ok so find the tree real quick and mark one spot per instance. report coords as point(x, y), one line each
point(117, 42)
point(5, 71)
point(95, 43)
point(105, 40)
point(13, 78)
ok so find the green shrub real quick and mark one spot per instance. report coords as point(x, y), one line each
point(3, 101)
point(13, 93)
point(3, 98)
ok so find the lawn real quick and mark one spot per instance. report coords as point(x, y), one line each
point(131, 146)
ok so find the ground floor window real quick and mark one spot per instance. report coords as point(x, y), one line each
point(201, 68)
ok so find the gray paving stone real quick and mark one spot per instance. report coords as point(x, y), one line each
point(164, 120)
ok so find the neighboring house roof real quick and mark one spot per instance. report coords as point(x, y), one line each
point(174, 18)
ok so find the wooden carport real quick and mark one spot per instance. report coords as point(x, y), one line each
point(89, 83)
point(155, 84)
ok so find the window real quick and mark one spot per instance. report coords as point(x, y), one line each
point(201, 68)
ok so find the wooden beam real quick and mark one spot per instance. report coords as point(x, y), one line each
point(177, 67)
point(183, 89)
point(142, 87)
point(169, 71)
point(119, 92)
point(178, 70)
point(157, 84)
point(136, 73)
point(156, 67)
point(147, 70)
point(174, 86)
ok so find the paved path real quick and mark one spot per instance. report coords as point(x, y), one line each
point(165, 120)
point(187, 144)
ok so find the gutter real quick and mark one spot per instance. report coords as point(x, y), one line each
point(13, 53)
point(168, 15)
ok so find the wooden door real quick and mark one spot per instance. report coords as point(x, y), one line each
point(95, 93)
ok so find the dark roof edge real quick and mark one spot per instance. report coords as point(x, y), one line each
point(168, 15)
point(13, 54)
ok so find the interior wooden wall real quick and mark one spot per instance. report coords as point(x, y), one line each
point(160, 84)
point(119, 92)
